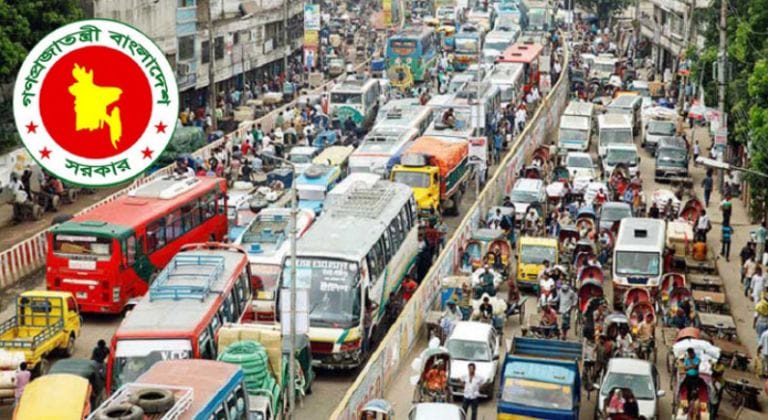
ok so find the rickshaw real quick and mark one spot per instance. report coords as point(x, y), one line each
point(669, 282)
point(459, 290)
point(588, 291)
point(635, 295)
point(560, 173)
point(482, 242)
point(577, 77)
point(570, 234)
point(613, 322)
point(557, 191)
point(619, 181)
point(584, 250)
point(535, 328)
point(541, 153)
point(586, 218)
point(377, 410)
point(477, 284)
point(683, 405)
point(661, 197)
point(431, 358)
point(691, 210)
point(676, 296)
point(533, 172)
point(590, 273)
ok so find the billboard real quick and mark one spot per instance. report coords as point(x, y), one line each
point(311, 35)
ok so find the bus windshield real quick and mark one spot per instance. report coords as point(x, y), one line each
point(467, 45)
point(346, 98)
point(82, 245)
point(537, 254)
point(537, 394)
point(134, 357)
point(334, 291)
point(402, 47)
point(268, 275)
point(412, 179)
point(637, 263)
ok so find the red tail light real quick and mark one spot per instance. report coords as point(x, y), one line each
point(256, 283)
point(351, 345)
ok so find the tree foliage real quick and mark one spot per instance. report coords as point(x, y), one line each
point(22, 24)
point(604, 9)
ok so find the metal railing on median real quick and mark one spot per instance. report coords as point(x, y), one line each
point(383, 365)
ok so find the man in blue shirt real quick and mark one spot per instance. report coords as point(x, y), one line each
point(691, 365)
point(726, 241)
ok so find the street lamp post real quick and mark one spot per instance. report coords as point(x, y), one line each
point(292, 307)
point(718, 164)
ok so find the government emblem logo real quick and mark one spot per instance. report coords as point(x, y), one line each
point(96, 102)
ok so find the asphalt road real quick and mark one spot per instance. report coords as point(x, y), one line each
point(400, 392)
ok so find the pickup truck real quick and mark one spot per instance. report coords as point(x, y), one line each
point(44, 322)
point(437, 171)
point(540, 379)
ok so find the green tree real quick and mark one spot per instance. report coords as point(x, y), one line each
point(604, 9)
point(22, 24)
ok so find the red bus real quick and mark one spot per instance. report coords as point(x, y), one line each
point(201, 289)
point(107, 256)
point(528, 54)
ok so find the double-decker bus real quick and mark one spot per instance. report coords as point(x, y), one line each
point(357, 252)
point(267, 241)
point(529, 55)
point(415, 49)
point(107, 256)
point(204, 286)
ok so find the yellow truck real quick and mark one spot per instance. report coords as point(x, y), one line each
point(437, 171)
point(44, 322)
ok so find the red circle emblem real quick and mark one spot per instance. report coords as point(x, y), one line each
point(87, 129)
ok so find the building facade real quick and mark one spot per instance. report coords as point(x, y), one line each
point(248, 36)
point(670, 27)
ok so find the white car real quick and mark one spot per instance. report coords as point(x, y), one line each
point(525, 192)
point(625, 154)
point(473, 342)
point(301, 157)
point(580, 165)
point(442, 411)
point(639, 376)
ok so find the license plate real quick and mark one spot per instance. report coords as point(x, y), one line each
point(81, 295)
point(82, 265)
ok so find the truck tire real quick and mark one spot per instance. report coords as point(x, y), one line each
point(153, 400)
point(42, 367)
point(124, 411)
point(69, 351)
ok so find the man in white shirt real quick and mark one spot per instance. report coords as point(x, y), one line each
point(702, 227)
point(472, 383)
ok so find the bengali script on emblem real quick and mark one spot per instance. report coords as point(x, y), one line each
point(149, 61)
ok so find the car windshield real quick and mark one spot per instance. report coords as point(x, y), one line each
point(469, 45)
point(614, 213)
point(568, 134)
point(537, 254)
point(334, 291)
point(640, 385)
point(637, 263)
point(579, 162)
point(661, 128)
point(522, 196)
point(412, 179)
point(82, 245)
point(616, 156)
point(134, 357)
point(615, 137)
point(537, 394)
point(301, 158)
point(468, 350)
point(675, 157)
point(346, 98)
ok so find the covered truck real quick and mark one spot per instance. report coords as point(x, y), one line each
point(259, 350)
point(540, 380)
point(436, 169)
point(44, 322)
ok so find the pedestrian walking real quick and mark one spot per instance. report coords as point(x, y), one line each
point(726, 206)
point(707, 183)
point(725, 251)
point(757, 284)
point(696, 152)
point(747, 271)
point(23, 376)
point(472, 384)
point(761, 316)
point(760, 235)
point(762, 350)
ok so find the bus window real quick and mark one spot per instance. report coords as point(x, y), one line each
point(215, 323)
point(131, 251)
point(387, 246)
point(221, 413)
point(155, 235)
point(237, 303)
point(173, 225)
point(210, 206)
point(188, 217)
point(221, 208)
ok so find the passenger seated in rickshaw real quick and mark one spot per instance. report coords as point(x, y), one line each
point(624, 341)
point(547, 292)
point(451, 316)
point(593, 262)
point(436, 378)
point(680, 319)
point(548, 317)
point(486, 310)
point(569, 244)
point(486, 283)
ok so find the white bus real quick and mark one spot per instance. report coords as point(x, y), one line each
point(574, 133)
point(613, 129)
point(638, 257)
point(358, 251)
point(380, 149)
point(348, 184)
point(266, 240)
point(510, 79)
point(405, 116)
point(355, 98)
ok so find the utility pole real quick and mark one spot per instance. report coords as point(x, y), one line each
point(721, 76)
point(286, 49)
point(686, 43)
point(211, 65)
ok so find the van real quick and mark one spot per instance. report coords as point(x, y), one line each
point(671, 159)
point(628, 105)
point(613, 129)
point(621, 154)
point(527, 192)
point(638, 255)
point(574, 133)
